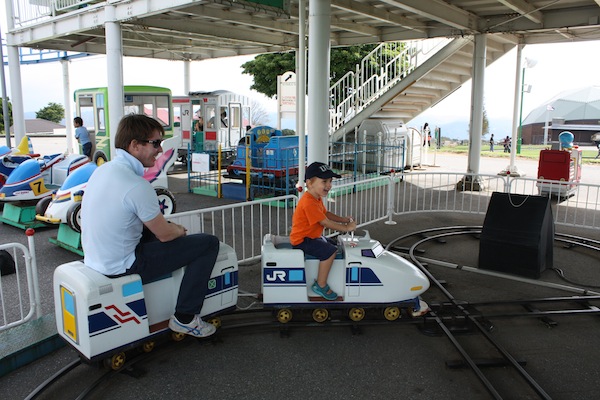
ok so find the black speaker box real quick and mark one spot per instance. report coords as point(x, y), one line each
point(517, 235)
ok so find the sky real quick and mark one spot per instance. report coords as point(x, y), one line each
point(560, 67)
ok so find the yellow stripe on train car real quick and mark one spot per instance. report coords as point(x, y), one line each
point(69, 313)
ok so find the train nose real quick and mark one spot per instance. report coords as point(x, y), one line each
point(419, 283)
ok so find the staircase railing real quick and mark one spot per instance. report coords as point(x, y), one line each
point(379, 70)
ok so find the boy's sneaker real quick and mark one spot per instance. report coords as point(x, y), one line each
point(322, 291)
point(196, 327)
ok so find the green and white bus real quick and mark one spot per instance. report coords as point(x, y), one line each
point(92, 106)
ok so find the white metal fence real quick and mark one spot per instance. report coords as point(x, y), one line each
point(19, 291)
point(368, 200)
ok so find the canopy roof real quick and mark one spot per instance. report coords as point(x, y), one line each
point(571, 105)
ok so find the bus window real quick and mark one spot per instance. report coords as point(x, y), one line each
point(210, 114)
point(162, 110)
point(149, 110)
point(100, 111)
point(235, 116)
point(86, 112)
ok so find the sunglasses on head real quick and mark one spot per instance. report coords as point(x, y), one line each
point(156, 143)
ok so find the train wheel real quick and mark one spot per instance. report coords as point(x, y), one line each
point(177, 336)
point(216, 322)
point(320, 314)
point(356, 314)
point(284, 315)
point(148, 346)
point(391, 313)
point(116, 362)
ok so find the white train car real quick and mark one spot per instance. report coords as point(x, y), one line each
point(102, 317)
point(364, 275)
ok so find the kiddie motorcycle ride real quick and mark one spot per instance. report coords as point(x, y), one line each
point(37, 178)
point(10, 159)
point(64, 206)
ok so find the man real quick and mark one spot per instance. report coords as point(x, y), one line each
point(83, 136)
point(119, 203)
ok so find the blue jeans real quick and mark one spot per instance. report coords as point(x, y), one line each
point(198, 252)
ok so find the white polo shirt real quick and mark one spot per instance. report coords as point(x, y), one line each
point(116, 203)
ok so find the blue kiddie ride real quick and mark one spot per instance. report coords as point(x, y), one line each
point(37, 178)
point(65, 205)
point(10, 159)
point(364, 274)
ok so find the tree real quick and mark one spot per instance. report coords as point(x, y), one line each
point(260, 116)
point(485, 124)
point(52, 112)
point(2, 128)
point(266, 67)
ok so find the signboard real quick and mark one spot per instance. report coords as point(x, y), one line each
point(200, 162)
point(287, 92)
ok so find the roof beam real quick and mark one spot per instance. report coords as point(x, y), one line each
point(525, 9)
point(439, 11)
point(378, 14)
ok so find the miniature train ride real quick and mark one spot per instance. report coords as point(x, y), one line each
point(102, 317)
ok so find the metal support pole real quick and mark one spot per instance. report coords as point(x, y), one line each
point(68, 101)
point(4, 97)
point(301, 93)
point(114, 63)
point(319, 20)
point(520, 133)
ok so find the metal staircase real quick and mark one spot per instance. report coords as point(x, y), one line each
point(401, 80)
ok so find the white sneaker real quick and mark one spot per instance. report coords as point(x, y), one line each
point(196, 327)
point(423, 309)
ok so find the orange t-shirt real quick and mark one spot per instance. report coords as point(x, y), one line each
point(305, 222)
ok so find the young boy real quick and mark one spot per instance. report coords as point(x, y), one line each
point(309, 220)
point(83, 136)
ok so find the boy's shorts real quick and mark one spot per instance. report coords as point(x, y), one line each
point(321, 248)
point(87, 149)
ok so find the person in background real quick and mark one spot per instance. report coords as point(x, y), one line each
point(83, 137)
point(426, 134)
point(224, 119)
point(492, 143)
point(507, 144)
point(309, 220)
point(199, 125)
point(124, 232)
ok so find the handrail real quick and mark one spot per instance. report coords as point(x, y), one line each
point(378, 71)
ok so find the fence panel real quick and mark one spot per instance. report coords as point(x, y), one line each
point(420, 192)
point(242, 225)
point(19, 291)
point(573, 204)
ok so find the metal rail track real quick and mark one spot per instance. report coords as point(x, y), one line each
point(445, 314)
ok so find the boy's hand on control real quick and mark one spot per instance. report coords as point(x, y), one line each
point(351, 226)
